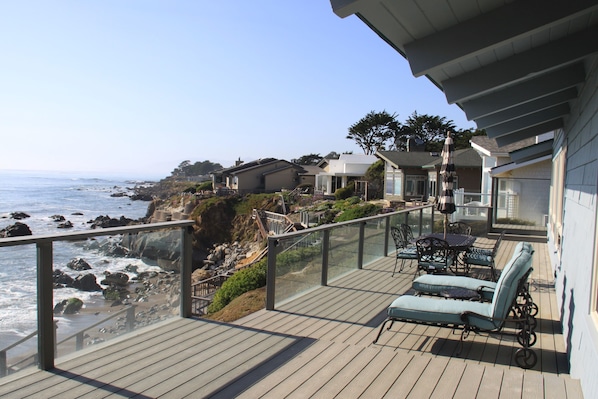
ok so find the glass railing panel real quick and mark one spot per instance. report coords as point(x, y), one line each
point(413, 221)
point(427, 224)
point(103, 287)
point(298, 265)
point(343, 256)
point(374, 236)
point(120, 283)
point(18, 308)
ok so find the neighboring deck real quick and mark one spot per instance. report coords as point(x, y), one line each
point(319, 345)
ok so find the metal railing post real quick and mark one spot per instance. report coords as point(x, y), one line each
point(45, 303)
point(421, 220)
point(325, 253)
point(271, 274)
point(186, 266)
point(130, 318)
point(361, 245)
point(386, 234)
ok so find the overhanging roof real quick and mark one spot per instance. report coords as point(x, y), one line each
point(514, 67)
point(532, 152)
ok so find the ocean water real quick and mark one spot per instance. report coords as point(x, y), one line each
point(43, 195)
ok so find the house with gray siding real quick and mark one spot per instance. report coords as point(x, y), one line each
point(416, 174)
point(521, 69)
point(261, 176)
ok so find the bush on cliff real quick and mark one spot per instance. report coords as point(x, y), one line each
point(357, 212)
point(239, 283)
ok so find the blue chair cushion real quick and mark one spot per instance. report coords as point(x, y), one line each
point(435, 284)
point(433, 310)
point(407, 253)
point(479, 257)
point(435, 266)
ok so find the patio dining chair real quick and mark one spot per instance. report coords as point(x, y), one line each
point(459, 228)
point(433, 255)
point(483, 256)
point(405, 250)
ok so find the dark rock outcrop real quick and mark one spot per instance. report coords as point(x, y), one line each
point(86, 282)
point(107, 221)
point(66, 225)
point(117, 279)
point(19, 215)
point(78, 264)
point(61, 279)
point(16, 230)
point(72, 306)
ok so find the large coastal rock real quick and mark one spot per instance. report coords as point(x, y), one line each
point(160, 248)
point(19, 215)
point(78, 264)
point(16, 230)
point(86, 282)
point(107, 221)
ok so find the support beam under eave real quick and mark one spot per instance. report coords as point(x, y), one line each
point(524, 92)
point(527, 108)
point(464, 40)
point(548, 114)
point(529, 132)
point(519, 67)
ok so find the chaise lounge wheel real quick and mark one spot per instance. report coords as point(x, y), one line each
point(526, 358)
point(526, 338)
point(533, 309)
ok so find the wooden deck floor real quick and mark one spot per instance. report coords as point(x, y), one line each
point(319, 345)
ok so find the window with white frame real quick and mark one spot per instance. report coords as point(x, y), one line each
point(393, 182)
point(415, 185)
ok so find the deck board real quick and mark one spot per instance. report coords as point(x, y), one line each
point(319, 345)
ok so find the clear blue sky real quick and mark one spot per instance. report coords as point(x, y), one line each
point(137, 86)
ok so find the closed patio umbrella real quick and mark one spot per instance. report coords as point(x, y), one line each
point(446, 200)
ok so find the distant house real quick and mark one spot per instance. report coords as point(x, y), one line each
point(261, 176)
point(416, 174)
point(337, 173)
point(308, 178)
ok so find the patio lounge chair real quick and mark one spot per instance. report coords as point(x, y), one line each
point(437, 284)
point(478, 316)
point(405, 250)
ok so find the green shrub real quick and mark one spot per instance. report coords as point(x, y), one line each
point(243, 281)
point(353, 200)
point(343, 193)
point(205, 186)
point(358, 212)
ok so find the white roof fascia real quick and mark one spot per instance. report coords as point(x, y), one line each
point(512, 165)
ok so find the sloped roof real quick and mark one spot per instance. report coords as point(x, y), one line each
point(405, 159)
point(464, 158)
point(311, 169)
point(246, 165)
point(494, 149)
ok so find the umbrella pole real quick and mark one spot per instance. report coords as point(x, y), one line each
point(445, 224)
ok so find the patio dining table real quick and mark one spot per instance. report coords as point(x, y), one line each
point(458, 244)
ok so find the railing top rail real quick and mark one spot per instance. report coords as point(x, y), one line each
point(349, 222)
point(82, 235)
